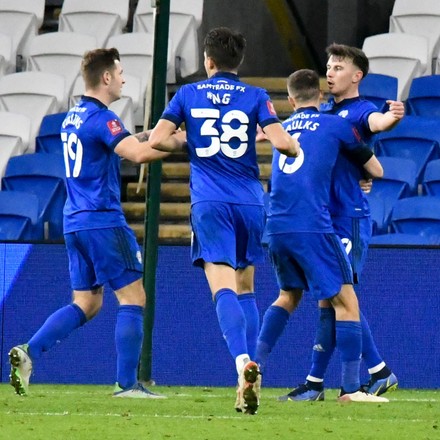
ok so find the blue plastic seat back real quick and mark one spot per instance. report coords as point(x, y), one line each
point(48, 139)
point(377, 210)
point(431, 178)
point(42, 175)
point(404, 239)
point(424, 96)
point(414, 138)
point(19, 216)
point(417, 215)
point(378, 88)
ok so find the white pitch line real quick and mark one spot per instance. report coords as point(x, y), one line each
point(195, 417)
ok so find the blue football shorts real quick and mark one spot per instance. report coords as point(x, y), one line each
point(227, 233)
point(355, 234)
point(316, 262)
point(98, 256)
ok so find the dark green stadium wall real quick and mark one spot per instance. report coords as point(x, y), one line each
point(321, 22)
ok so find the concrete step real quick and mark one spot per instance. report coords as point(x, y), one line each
point(169, 191)
point(135, 211)
point(176, 233)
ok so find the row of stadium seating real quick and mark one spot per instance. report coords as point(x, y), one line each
point(412, 46)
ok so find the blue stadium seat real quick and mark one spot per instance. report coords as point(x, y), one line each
point(415, 138)
point(377, 211)
point(399, 181)
point(403, 239)
point(43, 175)
point(19, 216)
point(424, 96)
point(431, 179)
point(417, 215)
point(48, 139)
point(378, 88)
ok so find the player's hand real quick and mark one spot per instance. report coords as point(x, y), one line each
point(396, 108)
point(366, 185)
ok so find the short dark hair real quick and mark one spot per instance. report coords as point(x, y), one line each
point(225, 47)
point(303, 85)
point(357, 56)
point(96, 62)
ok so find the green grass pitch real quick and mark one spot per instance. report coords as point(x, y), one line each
point(80, 412)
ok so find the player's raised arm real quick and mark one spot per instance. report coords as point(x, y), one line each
point(281, 140)
point(164, 137)
point(386, 121)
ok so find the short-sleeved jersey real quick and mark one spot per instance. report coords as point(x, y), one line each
point(221, 116)
point(90, 133)
point(299, 198)
point(346, 197)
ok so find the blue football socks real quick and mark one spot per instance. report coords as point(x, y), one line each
point(370, 354)
point(349, 343)
point(57, 327)
point(274, 321)
point(232, 321)
point(129, 333)
point(249, 305)
point(325, 343)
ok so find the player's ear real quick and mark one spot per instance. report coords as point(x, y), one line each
point(357, 76)
point(292, 101)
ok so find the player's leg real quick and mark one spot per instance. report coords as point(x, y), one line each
point(323, 348)
point(87, 301)
point(355, 234)
point(249, 227)
point(275, 320)
point(248, 303)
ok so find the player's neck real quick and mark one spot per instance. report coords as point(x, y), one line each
point(348, 95)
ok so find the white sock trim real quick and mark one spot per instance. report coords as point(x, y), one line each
point(314, 379)
point(240, 361)
point(376, 368)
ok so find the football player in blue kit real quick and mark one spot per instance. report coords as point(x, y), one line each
point(101, 247)
point(227, 214)
point(350, 213)
point(304, 249)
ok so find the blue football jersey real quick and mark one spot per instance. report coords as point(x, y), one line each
point(299, 198)
point(90, 133)
point(346, 197)
point(221, 115)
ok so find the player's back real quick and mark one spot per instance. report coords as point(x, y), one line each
point(221, 116)
point(90, 132)
point(300, 187)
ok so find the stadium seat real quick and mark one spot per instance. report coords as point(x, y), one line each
point(399, 181)
point(123, 107)
point(417, 215)
point(424, 96)
point(378, 89)
point(14, 137)
point(34, 94)
point(185, 19)
point(48, 139)
point(19, 216)
point(403, 240)
point(419, 17)
point(60, 53)
point(404, 56)
point(99, 18)
point(7, 64)
point(42, 175)
point(21, 21)
point(415, 138)
point(431, 179)
point(377, 212)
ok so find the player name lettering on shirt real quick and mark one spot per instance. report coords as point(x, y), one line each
point(302, 125)
point(73, 119)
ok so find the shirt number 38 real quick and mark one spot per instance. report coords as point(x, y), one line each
point(220, 140)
